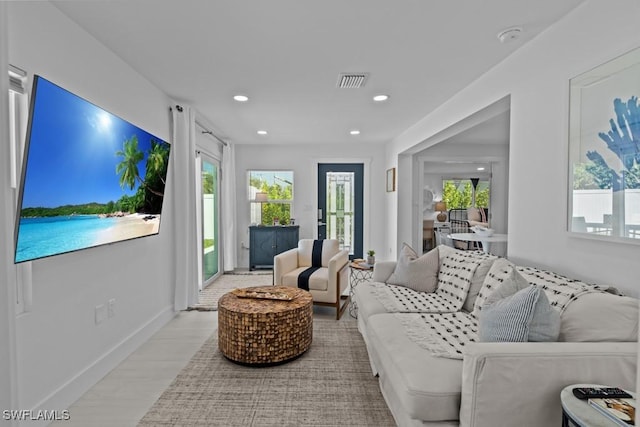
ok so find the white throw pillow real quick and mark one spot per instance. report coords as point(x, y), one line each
point(478, 278)
point(511, 284)
point(400, 275)
point(423, 272)
point(502, 269)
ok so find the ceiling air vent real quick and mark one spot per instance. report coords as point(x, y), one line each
point(352, 80)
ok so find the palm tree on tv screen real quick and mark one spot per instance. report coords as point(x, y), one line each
point(157, 160)
point(128, 167)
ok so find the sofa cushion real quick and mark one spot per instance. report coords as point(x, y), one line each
point(524, 315)
point(600, 317)
point(427, 386)
point(368, 301)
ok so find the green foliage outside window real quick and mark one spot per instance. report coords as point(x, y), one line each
point(279, 189)
point(270, 211)
point(459, 194)
point(208, 182)
point(208, 186)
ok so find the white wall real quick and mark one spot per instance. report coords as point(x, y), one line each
point(7, 276)
point(60, 350)
point(303, 161)
point(537, 79)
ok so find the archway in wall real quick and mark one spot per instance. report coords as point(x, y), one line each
point(480, 140)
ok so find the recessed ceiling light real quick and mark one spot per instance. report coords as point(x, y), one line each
point(241, 98)
point(380, 98)
point(510, 34)
point(262, 132)
point(355, 132)
point(480, 168)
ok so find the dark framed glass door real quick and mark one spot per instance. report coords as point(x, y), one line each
point(340, 205)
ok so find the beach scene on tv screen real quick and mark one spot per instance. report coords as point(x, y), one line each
point(91, 178)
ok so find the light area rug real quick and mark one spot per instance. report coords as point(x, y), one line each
point(209, 296)
point(330, 385)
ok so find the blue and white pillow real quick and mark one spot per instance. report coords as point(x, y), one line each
point(525, 315)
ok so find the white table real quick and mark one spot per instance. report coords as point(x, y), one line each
point(576, 412)
point(359, 274)
point(485, 240)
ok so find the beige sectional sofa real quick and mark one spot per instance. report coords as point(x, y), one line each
point(434, 370)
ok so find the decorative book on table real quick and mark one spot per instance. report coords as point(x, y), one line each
point(621, 411)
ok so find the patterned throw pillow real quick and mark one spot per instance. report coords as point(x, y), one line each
point(454, 278)
point(523, 316)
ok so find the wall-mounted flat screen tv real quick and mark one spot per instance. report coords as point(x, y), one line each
point(89, 177)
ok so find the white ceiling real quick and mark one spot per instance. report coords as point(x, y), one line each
point(494, 131)
point(286, 55)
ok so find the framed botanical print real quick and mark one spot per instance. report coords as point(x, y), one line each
point(604, 151)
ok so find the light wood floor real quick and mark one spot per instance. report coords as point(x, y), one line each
point(125, 395)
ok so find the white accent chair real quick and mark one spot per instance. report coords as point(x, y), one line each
point(326, 285)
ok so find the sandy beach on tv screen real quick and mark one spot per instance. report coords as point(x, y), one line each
point(130, 227)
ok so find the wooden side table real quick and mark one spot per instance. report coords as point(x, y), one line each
point(359, 273)
point(577, 412)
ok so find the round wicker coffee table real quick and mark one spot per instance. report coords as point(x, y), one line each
point(257, 331)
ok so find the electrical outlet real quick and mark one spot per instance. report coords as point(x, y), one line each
point(101, 313)
point(111, 307)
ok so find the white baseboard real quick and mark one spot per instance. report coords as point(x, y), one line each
point(74, 388)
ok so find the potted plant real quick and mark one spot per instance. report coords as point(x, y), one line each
point(371, 257)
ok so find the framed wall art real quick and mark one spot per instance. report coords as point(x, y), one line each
point(604, 151)
point(391, 180)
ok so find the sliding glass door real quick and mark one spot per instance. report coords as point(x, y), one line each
point(210, 199)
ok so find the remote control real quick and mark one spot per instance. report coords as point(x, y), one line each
point(595, 392)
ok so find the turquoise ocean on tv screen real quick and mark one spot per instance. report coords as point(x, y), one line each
point(45, 236)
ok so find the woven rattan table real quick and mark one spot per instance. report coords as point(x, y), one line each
point(262, 331)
